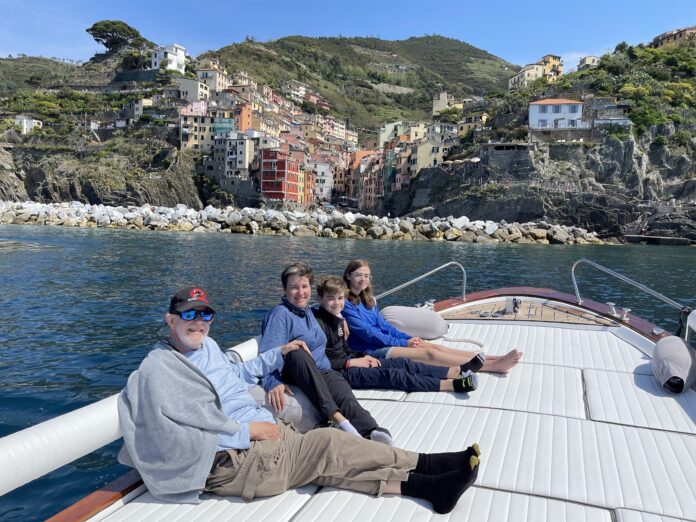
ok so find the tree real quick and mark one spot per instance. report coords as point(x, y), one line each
point(114, 34)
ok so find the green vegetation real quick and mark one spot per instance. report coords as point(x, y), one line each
point(658, 84)
point(25, 72)
point(345, 71)
point(114, 34)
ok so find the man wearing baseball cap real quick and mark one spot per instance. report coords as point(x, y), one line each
point(190, 425)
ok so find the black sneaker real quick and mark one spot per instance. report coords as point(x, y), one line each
point(466, 382)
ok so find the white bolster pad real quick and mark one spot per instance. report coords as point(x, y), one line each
point(245, 351)
point(35, 451)
point(416, 322)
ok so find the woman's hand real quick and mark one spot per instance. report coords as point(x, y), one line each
point(363, 362)
point(264, 431)
point(292, 346)
point(276, 397)
point(414, 342)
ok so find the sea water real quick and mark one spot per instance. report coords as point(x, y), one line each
point(82, 307)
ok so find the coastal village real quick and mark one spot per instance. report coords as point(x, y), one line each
point(254, 139)
point(281, 147)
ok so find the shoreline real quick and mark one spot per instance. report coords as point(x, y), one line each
point(334, 224)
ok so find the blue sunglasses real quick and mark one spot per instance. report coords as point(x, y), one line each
point(190, 315)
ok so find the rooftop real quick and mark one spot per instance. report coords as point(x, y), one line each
point(556, 101)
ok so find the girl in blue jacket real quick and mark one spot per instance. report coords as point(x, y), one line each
point(371, 334)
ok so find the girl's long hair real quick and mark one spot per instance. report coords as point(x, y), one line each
point(366, 295)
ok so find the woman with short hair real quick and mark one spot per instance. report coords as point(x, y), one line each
point(293, 320)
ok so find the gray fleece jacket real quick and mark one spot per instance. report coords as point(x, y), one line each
point(171, 419)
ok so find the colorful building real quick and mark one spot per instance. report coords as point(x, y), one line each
point(280, 176)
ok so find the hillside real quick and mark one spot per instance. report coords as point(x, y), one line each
point(348, 71)
point(659, 85)
point(30, 72)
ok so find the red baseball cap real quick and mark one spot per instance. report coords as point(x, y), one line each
point(189, 298)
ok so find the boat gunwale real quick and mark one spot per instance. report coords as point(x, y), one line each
point(97, 501)
point(638, 324)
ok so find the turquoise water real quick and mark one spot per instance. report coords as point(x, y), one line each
point(81, 308)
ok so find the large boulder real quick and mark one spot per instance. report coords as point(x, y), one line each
point(405, 226)
point(375, 232)
point(453, 234)
point(537, 233)
point(557, 236)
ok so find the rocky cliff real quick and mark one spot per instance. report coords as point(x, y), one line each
point(606, 186)
point(50, 175)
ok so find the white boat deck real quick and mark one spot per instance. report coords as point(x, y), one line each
point(579, 431)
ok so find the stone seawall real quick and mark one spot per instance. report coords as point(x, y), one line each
point(290, 223)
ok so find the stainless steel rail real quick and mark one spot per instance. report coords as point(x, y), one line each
point(622, 278)
point(421, 277)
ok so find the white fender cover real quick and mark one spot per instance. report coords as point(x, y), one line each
point(35, 451)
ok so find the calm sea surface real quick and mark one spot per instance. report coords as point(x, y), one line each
point(81, 308)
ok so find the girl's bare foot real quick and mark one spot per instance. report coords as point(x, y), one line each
point(505, 363)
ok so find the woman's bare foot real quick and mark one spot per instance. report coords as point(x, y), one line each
point(502, 364)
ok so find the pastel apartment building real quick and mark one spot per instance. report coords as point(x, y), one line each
point(549, 67)
point(588, 62)
point(197, 132)
point(294, 90)
point(174, 54)
point(192, 90)
point(233, 154)
point(556, 113)
point(675, 37)
point(471, 120)
point(212, 74)
point(425, 154)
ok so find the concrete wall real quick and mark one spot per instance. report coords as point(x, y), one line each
point(549, 136)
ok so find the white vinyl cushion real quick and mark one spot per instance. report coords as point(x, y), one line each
point(639, 400)
point(274, 509)
point(577, 347)
point(384, 395)
point(626, 515)
point(476, 505)
point(537, 388)
point(593, 463)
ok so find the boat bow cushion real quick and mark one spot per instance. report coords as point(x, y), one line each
point(416, 322)
point(674, 364)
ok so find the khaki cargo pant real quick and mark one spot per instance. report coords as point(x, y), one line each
point(324, 456)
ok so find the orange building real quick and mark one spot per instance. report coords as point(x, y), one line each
point(310, 183)
point(243, 117)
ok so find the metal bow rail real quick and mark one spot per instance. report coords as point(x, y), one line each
point(428, 274)
point(622, 278)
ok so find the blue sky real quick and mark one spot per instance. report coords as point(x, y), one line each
point(520, 32)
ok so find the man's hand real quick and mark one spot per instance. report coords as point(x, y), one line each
point(414, 342)
point(276, 397)
point(294, 345)
point(264, 431)
point(363, 362)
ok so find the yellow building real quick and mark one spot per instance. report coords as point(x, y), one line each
point(471, 120)
point(553, 67)
point(212, 74)
point(198, 132)
point(549, 67)
point(675, 37)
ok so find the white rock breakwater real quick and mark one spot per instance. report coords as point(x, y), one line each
point(289, 223)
